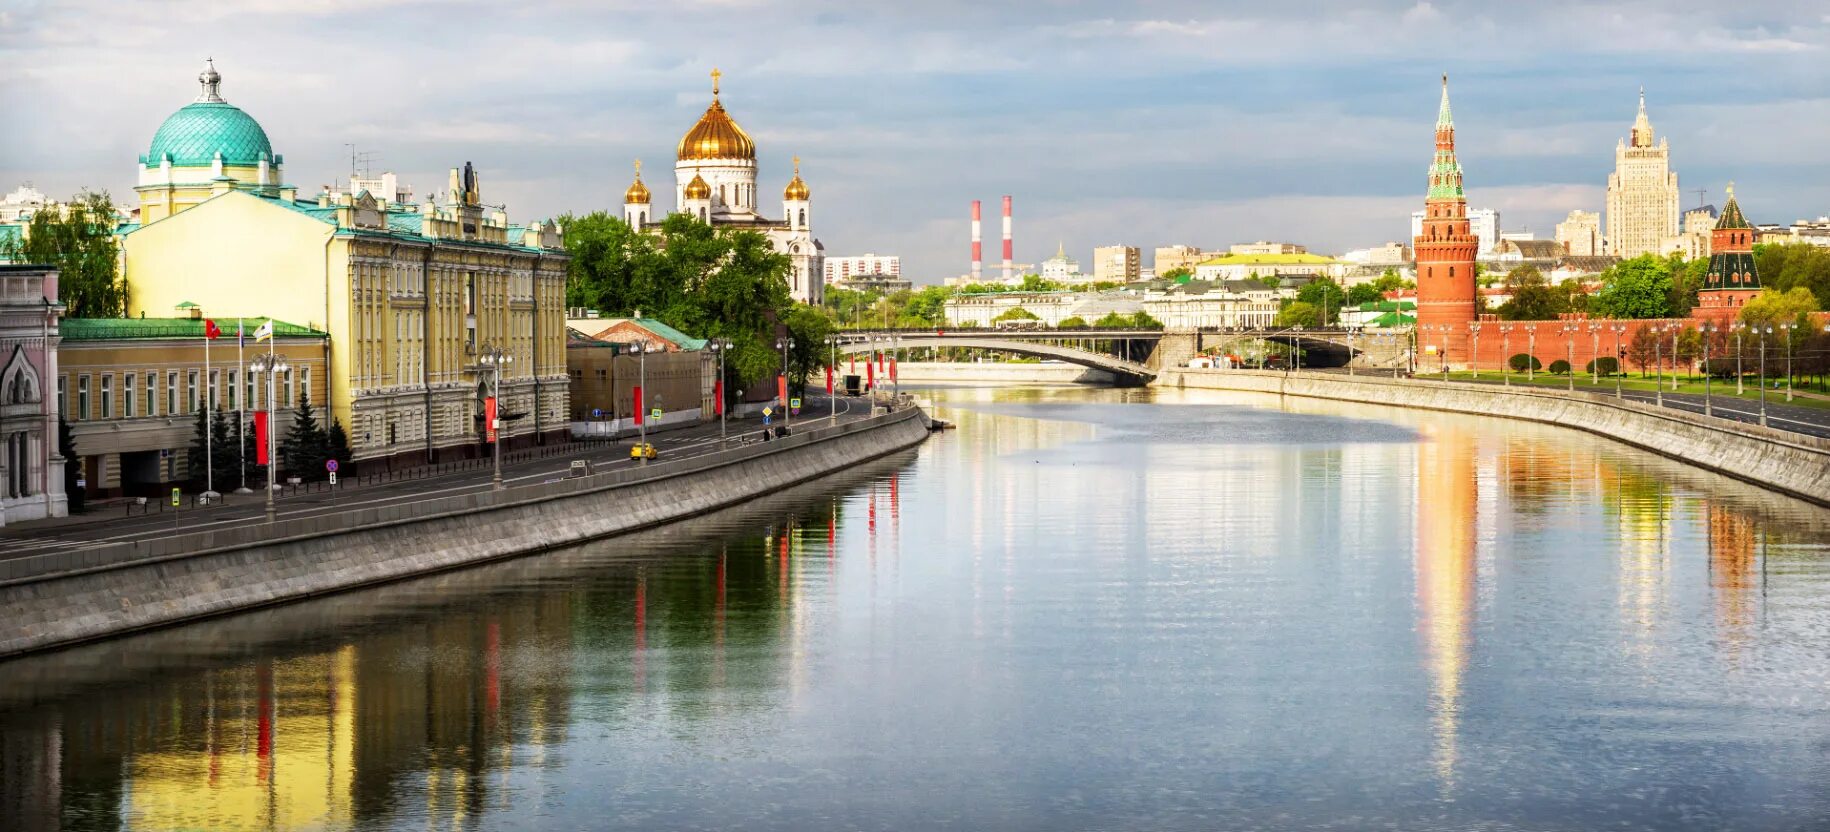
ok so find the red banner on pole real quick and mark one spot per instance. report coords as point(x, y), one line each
point(829, 381)
point(489, 417)
point(854, 363)
point(638, 403)
point(781, 388)
point(718, 397)
point(870, 375)
point(260, 437)
point(892, 368)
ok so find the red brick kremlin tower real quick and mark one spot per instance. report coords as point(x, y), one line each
point(1732, 279)
point(1445, 251)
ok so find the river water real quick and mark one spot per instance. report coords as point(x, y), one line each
point(1084, 609)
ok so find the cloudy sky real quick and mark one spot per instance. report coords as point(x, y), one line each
point(1148, 123)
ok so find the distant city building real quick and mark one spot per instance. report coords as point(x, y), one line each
point(385, 188)
point(869, 263)
point(1167, 258)
point(880, 283)
point(1264, 247)
point(1390, 254)
point(1580, 234)
point(1242, 266)
point(1515, 236)
point(1816, 232)
point(1483, 223)
point(1642, 192)
point(1203, 303)
point(1693, 242)
point(1120, 264)
point(1061, 267)
point(21, 204)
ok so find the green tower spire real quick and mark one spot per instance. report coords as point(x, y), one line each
point(1445, 171)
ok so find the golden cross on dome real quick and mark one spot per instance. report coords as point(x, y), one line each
point(797, 166)
point(1731, 190)
point(715, 76)
point(638, 168)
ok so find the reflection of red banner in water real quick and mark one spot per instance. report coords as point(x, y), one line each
point(263, 743)
point(492, 668)
point(641, 632)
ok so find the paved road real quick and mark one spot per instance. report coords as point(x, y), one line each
point(1811, 421)
point(110, 525)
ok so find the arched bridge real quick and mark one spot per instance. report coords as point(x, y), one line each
point(1127, 371)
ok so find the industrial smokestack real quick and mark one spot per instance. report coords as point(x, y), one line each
point(978, 252)
point(1007, 238)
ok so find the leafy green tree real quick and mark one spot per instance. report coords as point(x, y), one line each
point(1775, 307)
point(1177, 273)
point(1072, 322)
point(1636, 288)
point(1784, 267)
point(1533, 298)
point(1015, 313)
point(1644, 349)
point(1299, 313)
point(927, 306)
point(1576, 295)
point(1325, 296)
point(613, 267)
point(1687, 278)
point(809, 327)
point(1144, 320)
point(80, 242)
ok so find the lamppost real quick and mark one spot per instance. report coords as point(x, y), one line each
point(1392, 340)
point(1296, 348)
point(1658, 367)
point(1350, 372)
point(1675, 330)
point(1531, 354)
point(1506, 350)
point(1474, 359)
point(1708, 331)
point(1738, 328)
point(784, 344)
point(832, 363)
point(1569, 353)
point(718, 347)
point(1785, 331)
point(493, 359)
point(1619, 330)
point(1442, 349)
point(273, 365)
point(1594, 354)
point(641, 351)
point(1762, 331)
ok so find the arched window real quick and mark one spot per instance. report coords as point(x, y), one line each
point(803, 218)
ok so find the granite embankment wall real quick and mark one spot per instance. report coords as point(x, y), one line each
point(1782, 461)
point(64, 598)
point(941, 372)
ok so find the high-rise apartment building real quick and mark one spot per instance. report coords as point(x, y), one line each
point(1642, 192)
point(1580, 234)
point(845, 268)
point(1122, 264)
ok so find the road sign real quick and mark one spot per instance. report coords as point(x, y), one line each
point(654, 413)
point(765, 417)
point(768, 411)
point(177, 496)
point(794, 403)
point(333, 476)
point(330, 465)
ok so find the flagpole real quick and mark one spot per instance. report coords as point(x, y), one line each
point(241, 403)
point(209, 434)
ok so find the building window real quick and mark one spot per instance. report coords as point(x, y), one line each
point(249, 389)
point(286, 390)
point(127, 398)
point(212, 397)
point(171, 393)
point(107, 396)
point(305, 382)
point(190, 392)
point(234, 390)
point(63, 396)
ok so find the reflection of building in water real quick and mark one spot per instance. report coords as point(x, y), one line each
point(31, 781)
point(1447, 499)
point(1733, 545)
point(1644, 509)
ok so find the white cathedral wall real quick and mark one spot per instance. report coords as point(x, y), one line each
point(734, 178)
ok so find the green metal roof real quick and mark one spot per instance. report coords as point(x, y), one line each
point(110, 329)
point(202, 129)
point(680, 339)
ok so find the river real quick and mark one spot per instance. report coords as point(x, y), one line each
point(1083, 609)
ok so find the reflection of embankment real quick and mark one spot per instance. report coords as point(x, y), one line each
point(333, 619)
point(418, 698)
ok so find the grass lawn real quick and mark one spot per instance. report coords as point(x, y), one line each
point(1686, 384)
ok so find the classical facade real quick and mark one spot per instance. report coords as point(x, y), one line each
point(31, 469)
point(715, 180)
point(1446, 247)
point(410, 295)
point(1732, 280)
point(1642, 192)
point(1580, 234)
point(1061, 268)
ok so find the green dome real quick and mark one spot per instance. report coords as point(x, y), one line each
point(196, 133)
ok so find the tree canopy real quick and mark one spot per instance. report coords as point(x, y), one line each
point(79, 241)
point(1795, 265)
point(1015, 313)
point(1772, 306)
point(1532, 296)
point(1637, 288)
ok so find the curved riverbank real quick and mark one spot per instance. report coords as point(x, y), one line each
point(1779, 460)
point(71, 597)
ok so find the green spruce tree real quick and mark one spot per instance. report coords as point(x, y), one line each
point(304, 451)
point(225, 456)
point(336, 443)
point(197, 460)
point(73, 465)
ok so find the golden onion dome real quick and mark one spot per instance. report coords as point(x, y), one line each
point(638, 192)
point(716, 136)
point(698, 189)
point(797, 189)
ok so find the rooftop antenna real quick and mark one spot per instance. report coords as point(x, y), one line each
point(360, 164)
point(1701, 193)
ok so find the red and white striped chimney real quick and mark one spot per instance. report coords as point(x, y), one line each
point(1006, 237)
point(978, 252)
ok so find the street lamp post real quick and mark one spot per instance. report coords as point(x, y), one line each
point(1738, 328)
point(1658, 368)
point(1296, 348)
point(494, 358)
point(1675, 330)
point(1350, 372)
point(832, 364)
point(1785, 331)
point(272, 364)
point(1442, 349)
point(641, 351)
point(1707, 330)
point(719, 346)
point(785, 344)
point(1474, 358)
point(1594, 354)
point(1531, 354)
point(1569, 353)
point(1762, 331)
point(1619, 330)
point(1506, 354)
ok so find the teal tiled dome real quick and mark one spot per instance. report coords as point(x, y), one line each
point(196, 133)
point(208, 126)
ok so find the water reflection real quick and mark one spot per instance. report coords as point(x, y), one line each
point(1105, 609)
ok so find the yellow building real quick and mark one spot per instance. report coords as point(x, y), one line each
point(411, 295)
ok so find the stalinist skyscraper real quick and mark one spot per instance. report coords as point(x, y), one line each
point(1642, 192)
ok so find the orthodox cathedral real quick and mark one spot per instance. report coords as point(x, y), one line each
point(715, 180)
